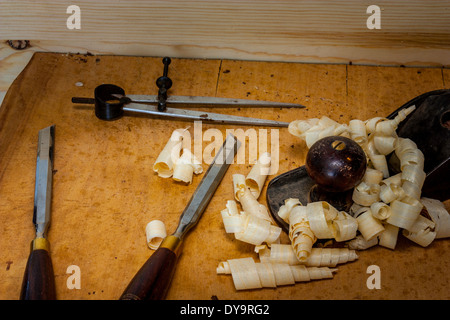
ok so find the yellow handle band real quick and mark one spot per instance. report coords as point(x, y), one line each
point(172, 243)
point(40, 243)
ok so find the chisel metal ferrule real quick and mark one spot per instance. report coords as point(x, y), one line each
point(173, 243)
point(40, 243)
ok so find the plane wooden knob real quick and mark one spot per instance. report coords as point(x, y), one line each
point(337, 164)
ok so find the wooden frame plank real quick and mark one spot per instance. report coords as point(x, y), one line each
point(417, 33)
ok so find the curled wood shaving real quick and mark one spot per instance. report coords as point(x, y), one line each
point(317, 220)
point(232, 218)
point(186, 166)
point(366, 194)
point(251, 206)
point(314, 129)
point(372, 176)
point(258, 174)
point(257, 230)
point(358, 132)
point(238, 185)
point(344, 227)
point(248, 274)
point(319, 257)
point(169, 155)
point(380, 210)
point(359, 243)
point(253, 224)
point(404, 212)
point(388, 238)
point(369, 226)
point(300, 233)
point(439, 215)
point(421, 232)
point(155, 232)
point(177, 162)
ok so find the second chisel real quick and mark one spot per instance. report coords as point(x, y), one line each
point(38, 282)
point(153, 279)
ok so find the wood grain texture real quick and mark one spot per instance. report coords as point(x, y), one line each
point(415, 33)
point(12, 62)
point(105, 191)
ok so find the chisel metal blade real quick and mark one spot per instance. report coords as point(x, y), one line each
point(44, 178)
point(39, 279)
point(208, 185)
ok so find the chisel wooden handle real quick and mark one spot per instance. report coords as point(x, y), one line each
point(152, 281)
point(39, 280)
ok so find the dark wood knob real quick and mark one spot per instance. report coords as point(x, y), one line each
point(336, 164)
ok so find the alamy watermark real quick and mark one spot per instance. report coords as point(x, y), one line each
point(74, 20)
point(254, 144)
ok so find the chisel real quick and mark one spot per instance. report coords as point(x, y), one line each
point(153, 279)
point(39, 282)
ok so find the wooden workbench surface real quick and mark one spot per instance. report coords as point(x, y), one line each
point(105, 191)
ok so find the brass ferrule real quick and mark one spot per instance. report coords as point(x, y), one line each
point(40, 243)
point(172, 243)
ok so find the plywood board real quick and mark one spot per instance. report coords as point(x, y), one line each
point(446, 77)
point(105, 191)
